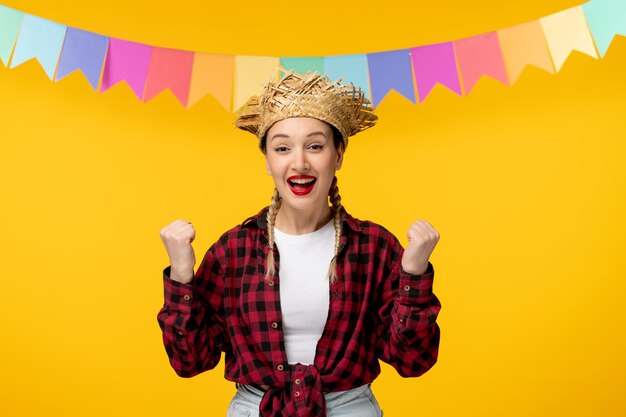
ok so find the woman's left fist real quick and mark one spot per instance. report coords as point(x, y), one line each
point(422, 241)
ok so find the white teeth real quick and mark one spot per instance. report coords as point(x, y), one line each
point(302, 180)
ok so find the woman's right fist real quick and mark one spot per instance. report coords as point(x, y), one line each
point(177, 237)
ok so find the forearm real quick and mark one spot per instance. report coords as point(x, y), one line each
point(191, 338)
point(411, 341)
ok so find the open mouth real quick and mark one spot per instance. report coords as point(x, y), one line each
point(302, 184)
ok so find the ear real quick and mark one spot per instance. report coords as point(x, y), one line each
point(267, 166)
point(340, 152)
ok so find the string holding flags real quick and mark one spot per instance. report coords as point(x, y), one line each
point(457, 65)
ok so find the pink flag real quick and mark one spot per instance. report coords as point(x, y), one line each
point(169, 68)
point(434, 64)
point(127, 61)
point(477, 56)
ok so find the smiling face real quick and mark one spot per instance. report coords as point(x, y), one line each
point(301, 157)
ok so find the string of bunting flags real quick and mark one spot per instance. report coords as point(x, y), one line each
point(413, 72)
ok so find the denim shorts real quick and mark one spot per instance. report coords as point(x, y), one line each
point(356, 402)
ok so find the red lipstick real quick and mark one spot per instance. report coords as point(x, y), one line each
point(301, 184)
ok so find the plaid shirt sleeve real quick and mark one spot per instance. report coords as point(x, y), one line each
point(192, 318)
point(408, 333)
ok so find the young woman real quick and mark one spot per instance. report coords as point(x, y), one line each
point(302, 298)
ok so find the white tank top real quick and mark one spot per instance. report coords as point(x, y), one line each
point(304, 289)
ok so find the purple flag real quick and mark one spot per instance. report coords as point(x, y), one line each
point(128, 61)
point(434, 64)
point(391, 70)
point(85, 51)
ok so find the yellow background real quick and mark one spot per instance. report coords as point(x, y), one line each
point(524, 183)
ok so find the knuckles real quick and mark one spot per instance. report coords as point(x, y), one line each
point(422, 231)
point(178, 230)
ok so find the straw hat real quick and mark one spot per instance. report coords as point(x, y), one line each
point(312, 95)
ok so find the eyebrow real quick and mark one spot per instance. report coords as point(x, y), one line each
point(282, 135)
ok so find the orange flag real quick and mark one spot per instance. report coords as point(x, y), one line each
point(212, 74)
point(522, 45)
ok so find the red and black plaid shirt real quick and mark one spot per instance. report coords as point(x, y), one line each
point(377, 311)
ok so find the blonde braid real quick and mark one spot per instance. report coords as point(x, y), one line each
point(271, 218)
point(335, 200)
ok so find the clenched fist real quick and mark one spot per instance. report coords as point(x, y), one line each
point(422, 241)
point(177, 237)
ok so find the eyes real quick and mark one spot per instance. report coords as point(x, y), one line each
point(315, 147)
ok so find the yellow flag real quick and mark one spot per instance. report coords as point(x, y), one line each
point(565, 32)
point(251, 74)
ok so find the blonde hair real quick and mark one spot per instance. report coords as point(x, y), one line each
point(335, 200)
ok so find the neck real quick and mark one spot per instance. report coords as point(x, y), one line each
point(300, 222)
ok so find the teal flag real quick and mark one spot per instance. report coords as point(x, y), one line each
point(301, 65)
point(42, 39)
point(351, 68)
point(10, 21)
point(606, 18)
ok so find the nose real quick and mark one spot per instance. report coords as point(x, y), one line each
point(300, 162)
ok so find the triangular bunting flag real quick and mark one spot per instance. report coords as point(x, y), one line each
point(434, 64)
point(126, 61)
point(391, 71)
point(477, 56)
point(301, 65)
point(84, 51)
point(565, 32)
point(522, 45)
point(251, 74)
point(41, 39)
point(349, 68)
point(171, 69)
point(606, 18)
point(212, 74)
point(10, 22)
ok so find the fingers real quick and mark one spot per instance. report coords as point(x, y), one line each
point(176, 225)
point(422, 230)
point(178, 230)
